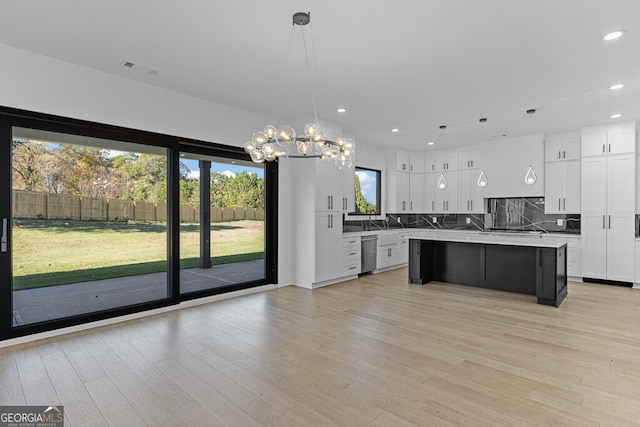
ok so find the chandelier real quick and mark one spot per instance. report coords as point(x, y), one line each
point(273, 143)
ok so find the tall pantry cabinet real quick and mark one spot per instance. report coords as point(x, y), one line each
point(608, 171)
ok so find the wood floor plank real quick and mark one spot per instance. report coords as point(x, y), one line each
point(370, 351)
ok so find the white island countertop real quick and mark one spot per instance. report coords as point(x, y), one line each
point(508, 239)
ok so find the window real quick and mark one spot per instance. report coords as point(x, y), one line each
point(367, 191)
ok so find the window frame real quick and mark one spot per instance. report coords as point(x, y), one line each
point(379, 211)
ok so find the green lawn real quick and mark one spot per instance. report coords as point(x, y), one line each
point(49, 253)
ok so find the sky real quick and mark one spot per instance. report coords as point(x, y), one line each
point(367, 185)
point(227, 169)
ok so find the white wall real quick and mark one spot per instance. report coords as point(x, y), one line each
point(38, 83)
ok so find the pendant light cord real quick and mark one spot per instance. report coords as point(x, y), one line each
point(284, 72)
point(306, 54)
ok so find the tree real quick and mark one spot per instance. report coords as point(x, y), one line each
point(361, 202)
point(27, 160)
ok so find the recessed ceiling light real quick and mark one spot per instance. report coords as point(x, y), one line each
point(430, 143)
point(394, 130)
point(615, 116)
point(341, 110)
point(616, 86)
point(614, 35)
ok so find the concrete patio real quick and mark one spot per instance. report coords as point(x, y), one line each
point(53, 302)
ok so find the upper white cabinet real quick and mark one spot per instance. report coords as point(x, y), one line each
point(430, 180)
point(506, 162)
point(469, 194)
point(445, 160)
point(562, 147)
point(416, 192)
point(401, 160)
point(470, 158)
point(416, 162)
point(447, 198)
point(334, 188)
point(609, 139)
point(562, 187)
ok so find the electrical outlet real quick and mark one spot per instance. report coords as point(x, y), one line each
point(435, 219)
point(560, 222)
point(468, 220)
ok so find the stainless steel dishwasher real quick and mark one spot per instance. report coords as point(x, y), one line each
point(369, 251)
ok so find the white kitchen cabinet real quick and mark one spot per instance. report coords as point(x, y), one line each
point(401, 204)
point(445, 160)
point(328, 244)
point(447, 199)
point(416, 192)
point(637, 276)
point(609, 139)
point(562, 187)
point(334, 188)
point(347, 189)
point(470, 158)
point(416, 162)
point(351, 256)
point(430, 180)
point(470, 198)
point(562, 147)
point(401, 160)
point(607, 217)
point(430, 161)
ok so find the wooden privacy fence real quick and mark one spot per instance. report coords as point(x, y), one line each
point(27, 204)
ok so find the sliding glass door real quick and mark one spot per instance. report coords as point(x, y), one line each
point(100, 221)
point(88, 225)
point(222, 223)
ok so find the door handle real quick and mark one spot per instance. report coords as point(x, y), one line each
point(603, 222)
point(3, 244)
point(564, 203)
point(564, 154)
point(558, 203)
point(609, 222)
point(328, 202)
point(471, 204)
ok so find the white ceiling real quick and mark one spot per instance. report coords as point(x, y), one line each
point(410, 64)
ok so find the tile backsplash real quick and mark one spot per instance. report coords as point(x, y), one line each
point(511, 214)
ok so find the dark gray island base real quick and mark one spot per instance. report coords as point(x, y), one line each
point(526, 267)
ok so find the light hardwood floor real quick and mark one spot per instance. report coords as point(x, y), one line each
point(372, 351)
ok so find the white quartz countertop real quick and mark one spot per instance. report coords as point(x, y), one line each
point(496, 239)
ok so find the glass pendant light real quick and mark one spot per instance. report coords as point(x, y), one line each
point(482, 179)
point(442, 182)
point(531, 177)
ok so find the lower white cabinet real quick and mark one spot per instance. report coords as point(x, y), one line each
point(637, 275)
point(351, 256)
point(328, 244)
point(388, 256)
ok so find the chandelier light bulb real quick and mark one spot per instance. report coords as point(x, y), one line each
point(311, 129)
point(249, 146)
point(257, 156)
point(259, 139)
point(270, 131)
point(285, 134)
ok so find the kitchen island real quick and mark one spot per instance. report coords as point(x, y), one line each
point(522, 264)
